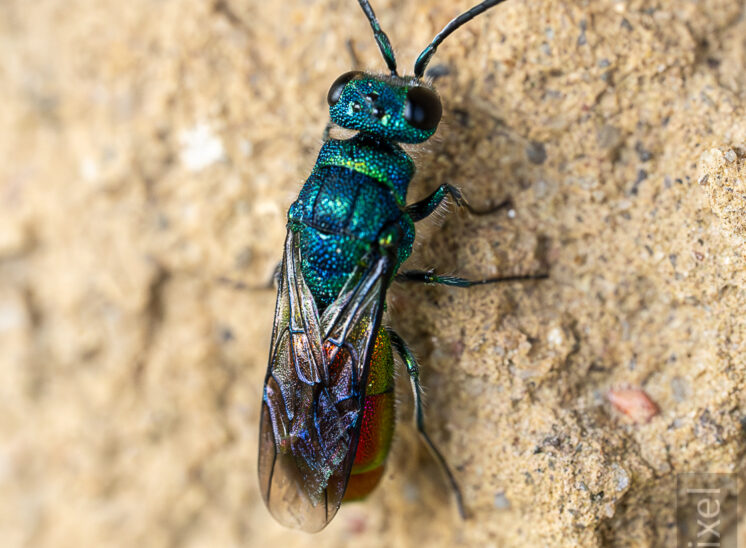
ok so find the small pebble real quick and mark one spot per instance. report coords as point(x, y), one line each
point(501, 501)
point(536, 152)
point(634, 403)
point(622, 478)
point(680, 388)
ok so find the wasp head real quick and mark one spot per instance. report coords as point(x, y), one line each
point(401, 109)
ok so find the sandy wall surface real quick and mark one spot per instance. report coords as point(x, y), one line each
point(149, 148)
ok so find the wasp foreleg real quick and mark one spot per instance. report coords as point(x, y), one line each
point(327, 130)
point(419, 417)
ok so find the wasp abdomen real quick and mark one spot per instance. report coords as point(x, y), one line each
point(377, 428)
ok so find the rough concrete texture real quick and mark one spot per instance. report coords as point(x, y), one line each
point(150, 147)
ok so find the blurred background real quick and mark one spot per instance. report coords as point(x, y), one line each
point(149, 148)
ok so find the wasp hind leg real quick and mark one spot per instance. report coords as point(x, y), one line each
point(419, 417)
point(273, 282)
point(430, 277)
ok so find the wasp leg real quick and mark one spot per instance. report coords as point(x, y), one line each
point(419, 418)
point(273, 282)
point(325, 136)
point(354, 59)
point(276, 276)
point(430, 277)
point(505, 204)
point(425, 207)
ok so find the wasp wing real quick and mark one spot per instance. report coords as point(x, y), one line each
point(314, 390)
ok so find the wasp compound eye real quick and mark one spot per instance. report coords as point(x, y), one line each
point(335, 92)
point(422, 109)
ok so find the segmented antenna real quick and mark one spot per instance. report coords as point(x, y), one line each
point(381, 39)
point(427, 53)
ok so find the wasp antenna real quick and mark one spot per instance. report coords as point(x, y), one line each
point(427, 53)
point(381, 39)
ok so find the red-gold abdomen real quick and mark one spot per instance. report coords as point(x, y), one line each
point(378, 421)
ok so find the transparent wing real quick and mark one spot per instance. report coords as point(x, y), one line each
point(314, 389)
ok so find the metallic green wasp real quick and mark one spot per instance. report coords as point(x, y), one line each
point(328, 406)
